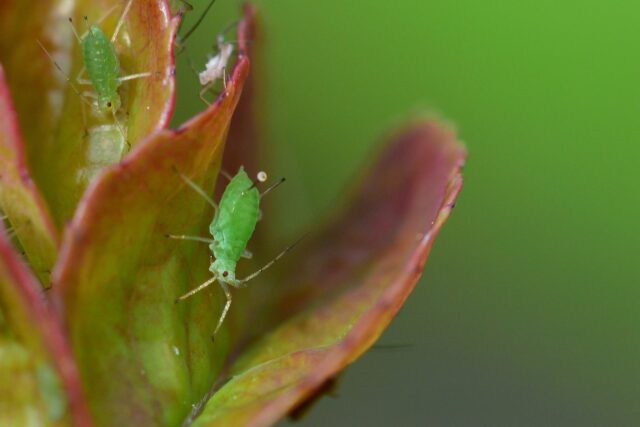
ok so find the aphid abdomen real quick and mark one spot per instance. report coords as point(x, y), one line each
point(236, 219)
point(103, 67)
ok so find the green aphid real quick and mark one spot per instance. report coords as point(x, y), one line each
point(231, 229)
point(102, 66)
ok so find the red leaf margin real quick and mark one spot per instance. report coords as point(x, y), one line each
point(369, 327)
point(364, 264)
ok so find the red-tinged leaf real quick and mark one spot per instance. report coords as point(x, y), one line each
point(40, 384)
point(19, 197)
point(348, 283)
point(144, 359)
point(68, 144)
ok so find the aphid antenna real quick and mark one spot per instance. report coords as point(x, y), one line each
point(197, 23)
point(121, 20)
point(226, 174)
point(273, 187)
point(75, 89)
point(242, 282)
point(227, 28)
point(98, 22)
point(190, 61)
point(75, 32)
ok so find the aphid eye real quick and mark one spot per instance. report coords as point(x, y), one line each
point(109, 104)
point(225, 273)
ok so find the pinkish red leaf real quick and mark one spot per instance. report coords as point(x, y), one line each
point(348, 283)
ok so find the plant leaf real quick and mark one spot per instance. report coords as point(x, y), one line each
point(21, 201)
point(143, 358)
point(349, 282)
point(67, 143)
point(40, 381)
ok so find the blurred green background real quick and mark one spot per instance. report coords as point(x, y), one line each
point(527, 313)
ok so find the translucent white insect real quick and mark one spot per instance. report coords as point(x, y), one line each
point(216, 67)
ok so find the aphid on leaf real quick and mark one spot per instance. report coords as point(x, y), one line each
point(232, 226)
point(216, 68)
point(102, 65)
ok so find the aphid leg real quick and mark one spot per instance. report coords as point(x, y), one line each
point(98, 22)
point(272, 187)
point(225, 310)
point(120, 128)
point(193, 238)
point(190, 62)
point(121, 21)
point(226, 174)
point(203, 91)
point(224, 78)
point(134, 76)
point(246, 254)
point(79, 78)
point(243, 282)
point(200, 191)
point(75, 89)
point(196, 290)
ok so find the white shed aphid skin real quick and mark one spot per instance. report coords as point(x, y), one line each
point(216, 68)
point(102, 65)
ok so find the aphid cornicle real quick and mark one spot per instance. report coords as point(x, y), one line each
point(231, 229)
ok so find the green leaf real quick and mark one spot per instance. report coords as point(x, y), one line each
point(347, 284)
point(144, 359)
point(44, 388)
